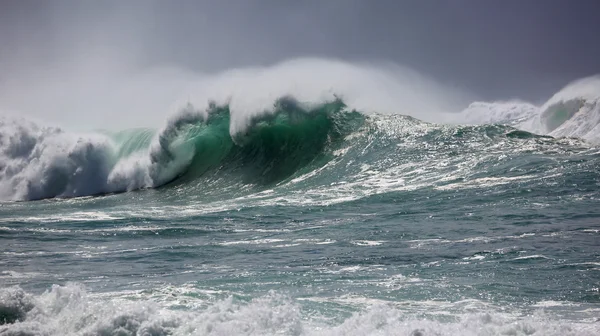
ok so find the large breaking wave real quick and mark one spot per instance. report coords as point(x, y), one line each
point(41, 162)
point(260, 131)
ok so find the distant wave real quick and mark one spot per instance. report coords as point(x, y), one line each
point(572, 112)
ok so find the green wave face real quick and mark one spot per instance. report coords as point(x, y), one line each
point(277, 146)
point(199, 151)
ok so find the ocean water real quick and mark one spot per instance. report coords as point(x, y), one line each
point(312, 219)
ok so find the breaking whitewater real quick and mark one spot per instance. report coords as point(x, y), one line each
point(309, 198)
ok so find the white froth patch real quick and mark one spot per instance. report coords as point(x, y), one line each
point(252, 242)
point(485, 182)
point(475, 257)
point(535, 256)
point(367, 242)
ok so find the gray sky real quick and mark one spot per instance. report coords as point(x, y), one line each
point(496, 49)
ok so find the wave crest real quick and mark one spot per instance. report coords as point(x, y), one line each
point(48, 162)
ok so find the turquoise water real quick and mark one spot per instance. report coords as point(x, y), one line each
point(313, 222)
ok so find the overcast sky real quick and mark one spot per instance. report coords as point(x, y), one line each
point(496, 49)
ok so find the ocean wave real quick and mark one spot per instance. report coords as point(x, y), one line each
point(41, 162)
point(222, 150)
point(315, 152)
point(574, 111)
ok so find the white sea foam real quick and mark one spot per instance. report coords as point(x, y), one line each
point(70, 310)
point(40, 162)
